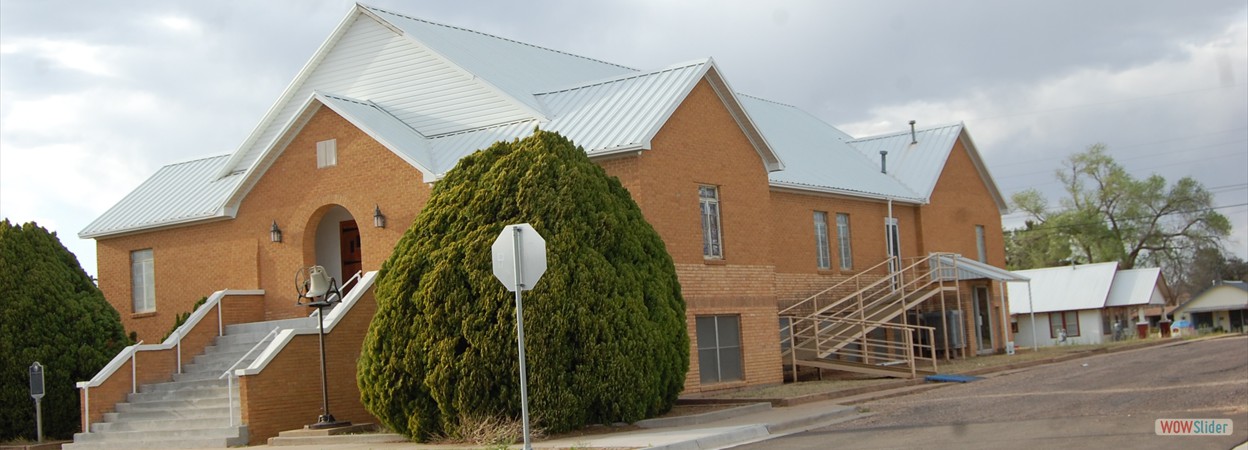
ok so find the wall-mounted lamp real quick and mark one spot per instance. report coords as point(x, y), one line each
point(275, 233)
point(379, 219)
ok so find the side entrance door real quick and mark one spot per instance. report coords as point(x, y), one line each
point(349, 239)
point(983, 319)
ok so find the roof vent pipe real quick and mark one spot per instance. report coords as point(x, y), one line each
point(914, 139)
point(883, 161)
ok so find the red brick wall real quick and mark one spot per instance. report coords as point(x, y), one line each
point(702, 144)
point(286, 395)
point(959, 202)
point(194, 261)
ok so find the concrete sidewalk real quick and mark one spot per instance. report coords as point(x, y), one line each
point(749, 423)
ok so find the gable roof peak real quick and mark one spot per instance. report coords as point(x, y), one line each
point(479, 33)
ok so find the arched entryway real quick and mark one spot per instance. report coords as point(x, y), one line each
point(338, 247)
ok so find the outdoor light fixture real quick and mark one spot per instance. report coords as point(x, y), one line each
point(275, 233)
point(379, 219)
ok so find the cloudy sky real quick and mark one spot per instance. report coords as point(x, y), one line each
point(95, 96)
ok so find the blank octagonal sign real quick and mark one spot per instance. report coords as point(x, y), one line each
point(532, 255)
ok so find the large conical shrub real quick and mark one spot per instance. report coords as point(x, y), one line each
point(605, 326)
point(50, 312)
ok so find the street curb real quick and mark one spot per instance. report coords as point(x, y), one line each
point(780, 427)
point(698, 419)
point(741, 434)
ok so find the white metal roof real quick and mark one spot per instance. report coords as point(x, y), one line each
point(918, 165)
point(816, 155)
point(177, 193)
point(1066, 288)
point(1136, 287)
point(434, 93)
point(516, 68)
point(621, 112)
point(970, 269)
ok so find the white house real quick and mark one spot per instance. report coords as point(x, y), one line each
point(1225, 305)
point(1081, 304)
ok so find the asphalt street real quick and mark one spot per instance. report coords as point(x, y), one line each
point(1104, 401)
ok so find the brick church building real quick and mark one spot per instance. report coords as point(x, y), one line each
point(778, 223)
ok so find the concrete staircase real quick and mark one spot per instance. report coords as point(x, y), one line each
point(192, 410)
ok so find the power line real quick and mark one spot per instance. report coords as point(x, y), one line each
point(1107, 102)
point(1079, 224)
point(1115, 148)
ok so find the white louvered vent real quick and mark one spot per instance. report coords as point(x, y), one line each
point(326, 153)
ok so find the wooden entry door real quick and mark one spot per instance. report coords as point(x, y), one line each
point(349, 239)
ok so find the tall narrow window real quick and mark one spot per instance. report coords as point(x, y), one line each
point(821, 240)
point(326, 153)
point(892, 237)
point(980, 245)
point(843, 241)
point(708, 197)
point(142, 281)
point(719, 349)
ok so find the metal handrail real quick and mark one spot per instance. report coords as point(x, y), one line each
point(886, 349)
point(229, 373)
point(174, 341)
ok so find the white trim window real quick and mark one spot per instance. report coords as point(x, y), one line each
point(143, 281)
point(823, 253)
point(1064, 320)
point(326, 153)
point(892, 237)
point(719, 349)
point(712, 236)
point(844, 242)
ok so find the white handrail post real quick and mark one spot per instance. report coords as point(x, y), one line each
point(220, 323)
point(229, 393)
point(134, 378)
point(179, 345)
point(86, 414)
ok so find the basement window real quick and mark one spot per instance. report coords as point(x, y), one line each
point(719, 349)
point(326, 153)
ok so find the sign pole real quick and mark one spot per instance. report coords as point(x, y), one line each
point(36, 392)
point(524, 383)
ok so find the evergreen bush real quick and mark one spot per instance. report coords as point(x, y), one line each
point(50, 312)
point(605, 327)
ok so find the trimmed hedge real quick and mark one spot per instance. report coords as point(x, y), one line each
point(605, 327)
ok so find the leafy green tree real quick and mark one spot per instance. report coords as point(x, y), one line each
point(50, 312)
point(605, 328)
point(1108, 215)
point(1190, 271)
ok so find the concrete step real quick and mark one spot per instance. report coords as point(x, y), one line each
point(265, 327)
point(196, 376)
point(237, 338)
point(201, 412)
point(186, 438)
point(230, 348)
point(216, 367)
point(170, 405)
point(178, 385)
point(162, 424)
point(223, 359)
point(196, 393)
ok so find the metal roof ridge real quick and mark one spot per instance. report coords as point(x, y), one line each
point(629, 76)
point(905, 132)
point(430, 22)
point(481, 128)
